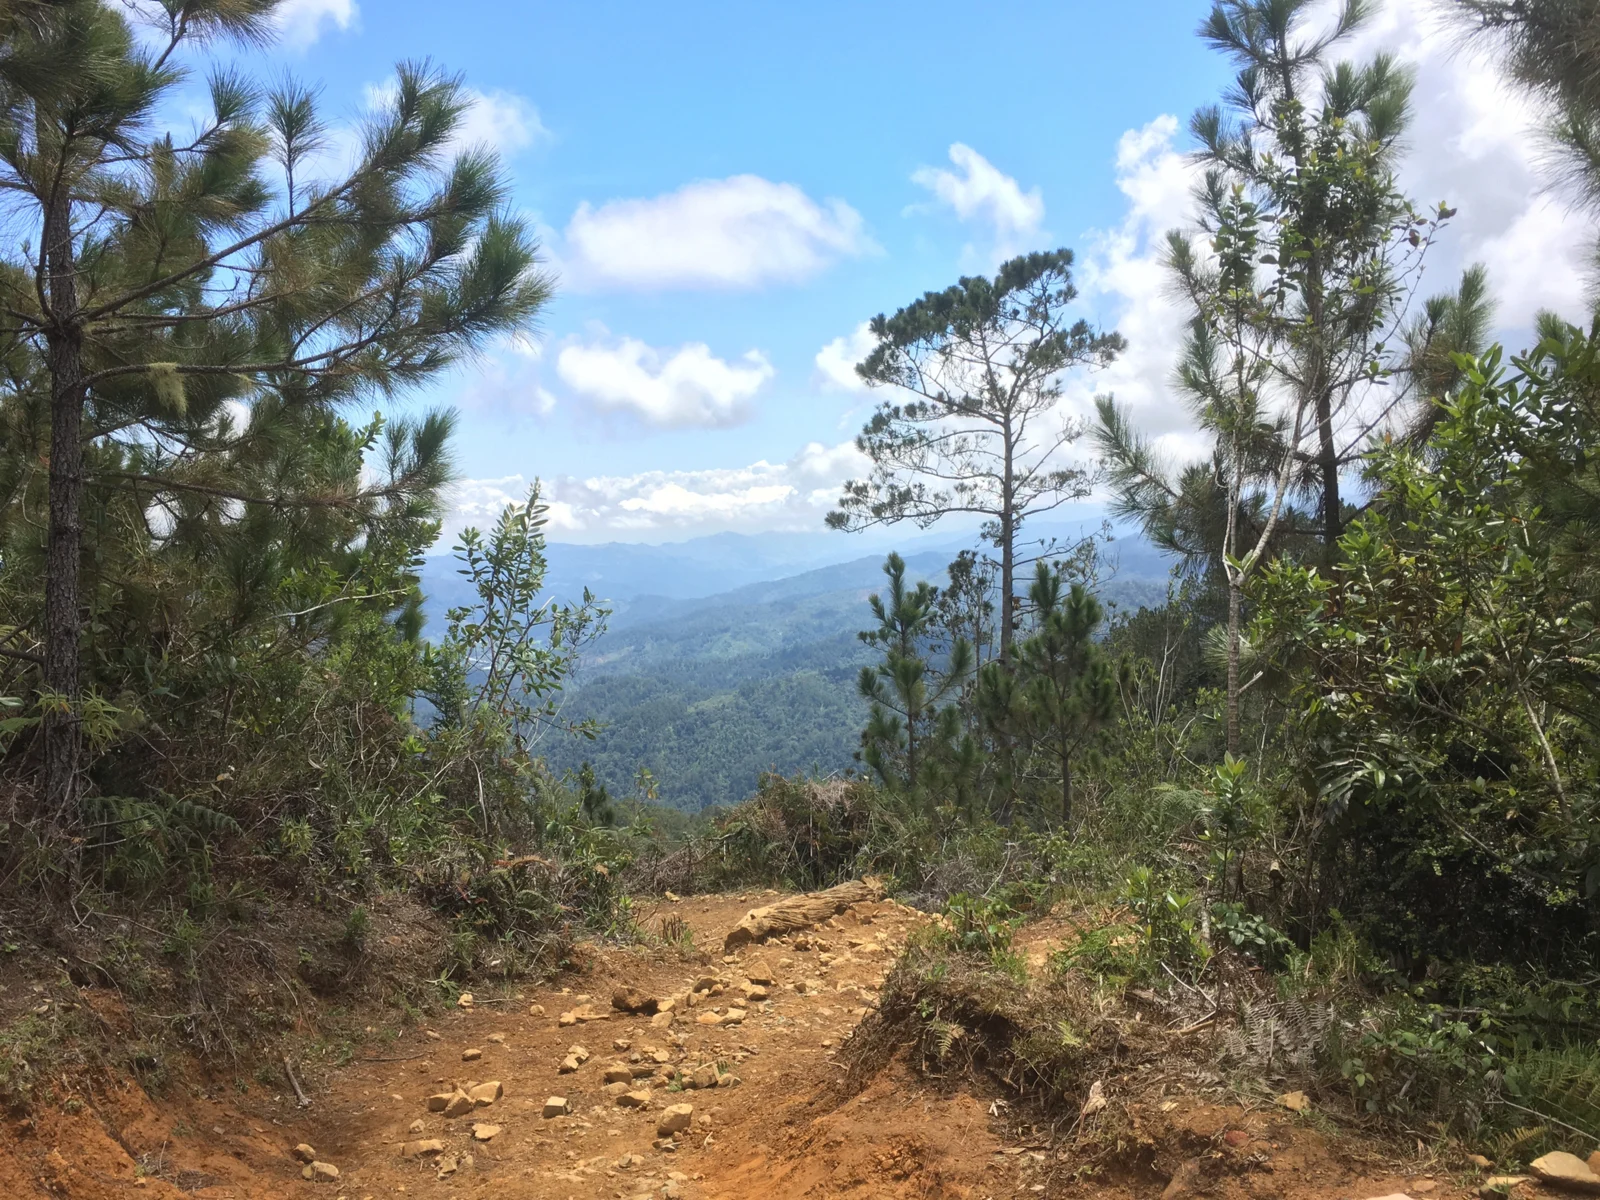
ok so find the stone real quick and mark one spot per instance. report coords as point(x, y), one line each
point(486, 1094)
point(440, 1101)
point(304, 1153)
point(755, 992)
point(499, 1039)
point(464, 1000)
point(566, 1019)
point(709, 1018)
point(632, 1000)
point(321, 1172)
point(447, 1166)
point(734, 1016)
point(617, 1073)
point(665, 1144)
point(485, 1133)
point(460, 1105)
point(662, 1019)
point(536, 1010)
point(417, 1126)
point(471, 1055)
point(579, 1052)
point(704, 1076)
point(642, 1070)
point(556, 1106)
point(1594, 1162)
point(1566, 1170)
point(1295, 1102)
point(1500, 1185)
point(675, 1118)
point(569, 1064)
point(704, 984)
point(422, 1148)
point(1236, 1137)
point(612, 1090)
point(639, 1099)
point(621, 1044)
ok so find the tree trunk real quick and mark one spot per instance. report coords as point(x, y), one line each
point(1328, 465)
point(63, 734)
point(1008, 548)
point(1234, 603)
point(1066, 792)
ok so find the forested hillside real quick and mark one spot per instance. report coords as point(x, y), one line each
point(709, 693)
point(1292, 767)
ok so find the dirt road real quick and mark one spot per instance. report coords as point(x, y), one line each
point(777, 1123)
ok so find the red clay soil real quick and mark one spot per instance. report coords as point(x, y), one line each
point(786, 1129)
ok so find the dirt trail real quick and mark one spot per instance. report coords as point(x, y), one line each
point(784, 1129)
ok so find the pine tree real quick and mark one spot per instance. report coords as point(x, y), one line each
point(174, 277)
point(1063, 690)
point(1296, 311)
point(984, 363)
point(910, 718)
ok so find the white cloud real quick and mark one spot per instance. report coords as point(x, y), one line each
point(740, 232)
point(503, 120)
point(688, 386)
point(761, 497)
point(302, 22)
point(836, 362)
point(1123, 281)
point(981, 191)
point(1472, 144)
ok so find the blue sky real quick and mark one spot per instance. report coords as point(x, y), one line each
point(727, 191)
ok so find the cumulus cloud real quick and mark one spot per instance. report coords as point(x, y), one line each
point(1470, 144)
point(763, 496)
point(740, 232)
point(836, 362)
point(977, 190)
point(686, 387)
point(500, 120)
point(302, 22)
point(503, 120)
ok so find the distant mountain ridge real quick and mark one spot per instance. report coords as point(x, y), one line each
point(709, 690)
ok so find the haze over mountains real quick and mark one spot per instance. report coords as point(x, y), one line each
point(730, 655)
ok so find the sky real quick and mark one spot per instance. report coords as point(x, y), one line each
point(726, 192)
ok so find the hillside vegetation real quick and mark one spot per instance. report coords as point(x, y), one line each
point(1330, 792)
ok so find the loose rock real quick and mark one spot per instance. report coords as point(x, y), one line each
point(640, 1099)
point(422, 1148)
point(304, 1153)
point(632, 1000)
point(486, 1093)
point(675, 1118)
point(471, 1055)
point(321, 1172)
point(556, 1106)
point(1566, 1170)
point(460, 1105)
point(617, 1073)
point(485, 1133)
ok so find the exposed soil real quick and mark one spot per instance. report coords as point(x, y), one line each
point(787, 1128)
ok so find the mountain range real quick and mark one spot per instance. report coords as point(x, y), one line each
point(731, 655)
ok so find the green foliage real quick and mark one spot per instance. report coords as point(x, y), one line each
point(912, 739)
point(979, 926)
point(984, 363)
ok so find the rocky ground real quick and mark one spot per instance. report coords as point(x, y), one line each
point(726, 1082)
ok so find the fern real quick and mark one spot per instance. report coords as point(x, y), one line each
point(1561, 1085)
